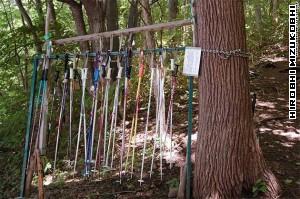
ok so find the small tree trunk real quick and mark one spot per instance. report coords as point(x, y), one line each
point(112, 19)
point(258, 21)
point(95, 11)
point(274, 10)
point(147, 18)
point(173, 9)
point(228, 157)
point(132, 18)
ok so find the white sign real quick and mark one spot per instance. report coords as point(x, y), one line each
point(192, 59)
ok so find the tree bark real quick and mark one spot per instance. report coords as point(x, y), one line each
point(77, 13)
point(228, 157)
point(173, 9)
point(132, 18)
point(147, 18)
point(274, 10)
point(258, 21)
point(95, 11)
point(112, 19)
point(52, 13)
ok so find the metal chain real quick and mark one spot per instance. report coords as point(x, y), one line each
point(224, 54)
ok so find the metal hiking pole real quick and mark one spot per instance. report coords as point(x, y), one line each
point(174, 69)
point(102, 110)
point(107, 87)
point(162, 112)
point(116, 114)
point(127, 72)
point(141, 73)
point(71, 77)
point(116, 102)
point(90, 136)
point(62, 109)
point(101, 116)
point(157, 119)
point(147, 120)
point(96, 85)
point(82, 113)
point(52, 101)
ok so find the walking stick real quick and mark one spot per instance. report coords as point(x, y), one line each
point(71, 77)
point(162, 112)
point(101, 116)
point(160, 117)
point(90, 136)
point(157, 120)
point(52, 101)
point(127, 72)
point(147, 120)
point(62, 109)
point(134, 125)
point(82, 113)
point(169, 127)
point(107, 87)
point(115, 110)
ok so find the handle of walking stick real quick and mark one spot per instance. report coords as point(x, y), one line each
point(141, 70)
point(172, 64)
point(71, 73)
point(175, 71)
point(120, 70)
point(84, 73)
point(108, 75)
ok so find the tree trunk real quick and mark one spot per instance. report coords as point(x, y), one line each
point(147, 17)
point(112, 24)
point(228, 157)
point(274, 10)
point(173, 9)
point(95, 11)
point(132, 18)
point(77, 13)
point(52, 14)
point(30, 25)
point(258, 21)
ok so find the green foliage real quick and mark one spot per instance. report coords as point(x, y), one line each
point(259, 187)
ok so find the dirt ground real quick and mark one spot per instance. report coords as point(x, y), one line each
point(279, 139)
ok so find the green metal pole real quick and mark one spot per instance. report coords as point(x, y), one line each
point(29, 125)
point(189, 142)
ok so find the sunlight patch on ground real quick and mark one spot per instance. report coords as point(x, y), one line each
point(275, 59)
point(287, 144)
point(266, 104)
point(48, 179)
point(290, 135)
point(264, 129)
point(265, 116)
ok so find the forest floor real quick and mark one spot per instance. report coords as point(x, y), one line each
point(279, 139)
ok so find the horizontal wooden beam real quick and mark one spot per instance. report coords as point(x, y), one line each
point(151, 28)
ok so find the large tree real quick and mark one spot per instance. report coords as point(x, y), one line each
point(228, 157)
